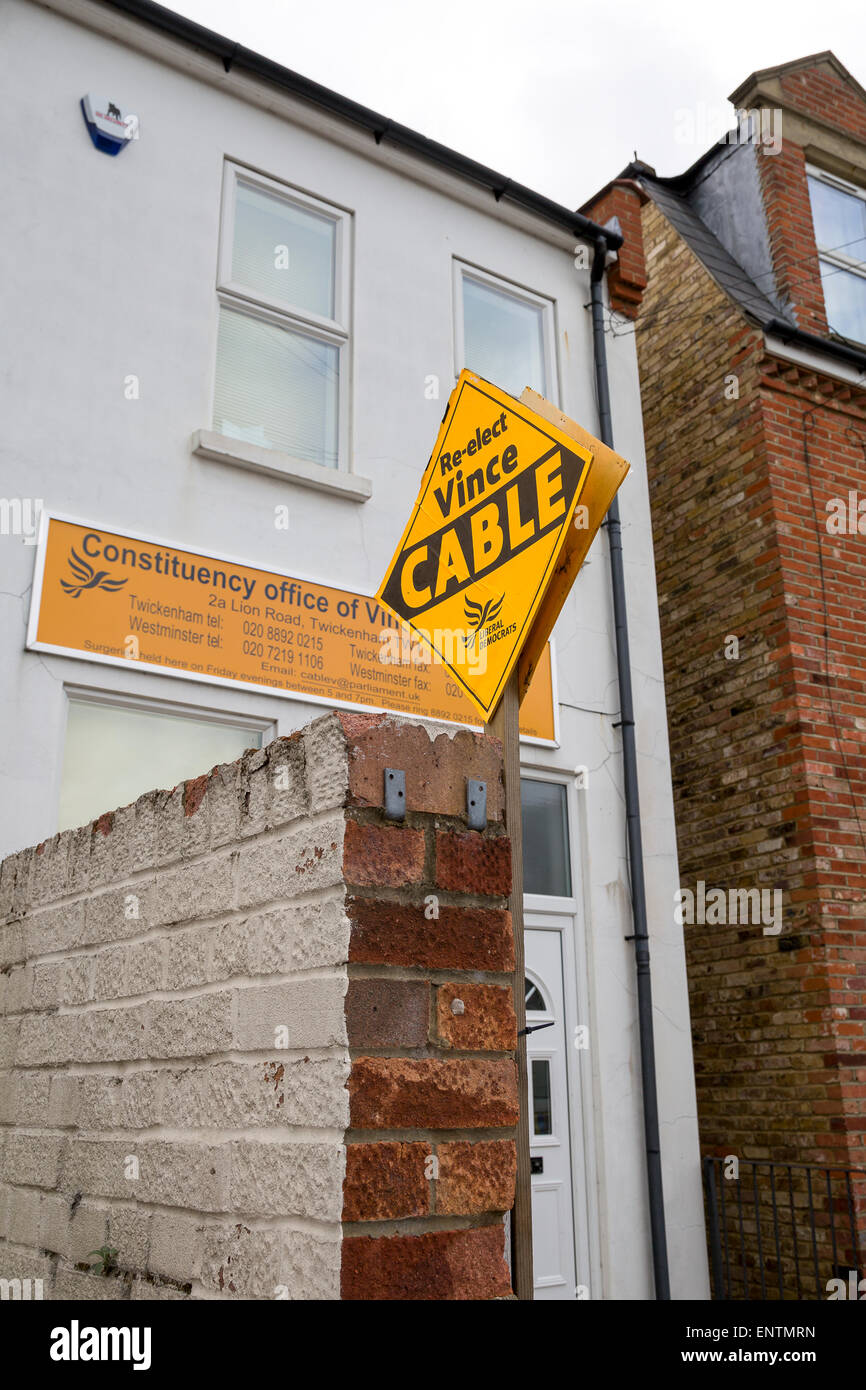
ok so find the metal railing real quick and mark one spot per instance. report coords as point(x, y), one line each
point(783, 1230)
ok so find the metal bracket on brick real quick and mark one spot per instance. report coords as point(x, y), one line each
point(476, 803)
point(395, 793)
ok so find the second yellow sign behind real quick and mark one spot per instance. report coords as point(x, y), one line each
point(492, 514)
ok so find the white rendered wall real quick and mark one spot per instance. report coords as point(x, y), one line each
point(109, 268)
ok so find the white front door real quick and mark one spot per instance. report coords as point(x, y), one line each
point(549, 1121)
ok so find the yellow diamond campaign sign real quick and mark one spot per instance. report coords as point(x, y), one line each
point(481, 547)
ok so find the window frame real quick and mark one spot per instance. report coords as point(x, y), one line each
point(555, 902)
point(176, 709)
point(118, 699)
point(552, 1139)
point(836, 257)
point(531, 978)
point(239, 298)
point(463, 270)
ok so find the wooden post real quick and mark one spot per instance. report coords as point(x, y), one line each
point(506, 727)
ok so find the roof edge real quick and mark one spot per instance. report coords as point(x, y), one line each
point(235, 55)
point(811, 60)
point(620, 181)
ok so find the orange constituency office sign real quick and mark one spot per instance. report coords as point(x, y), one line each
point(128, 600)
point(480, 549)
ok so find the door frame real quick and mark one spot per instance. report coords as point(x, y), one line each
point(568, 917)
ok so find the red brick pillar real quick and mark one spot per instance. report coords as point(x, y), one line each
point(627, 277)
point(430, 1152)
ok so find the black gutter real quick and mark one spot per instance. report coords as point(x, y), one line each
point(789, 333)
point(632, 805)
point(235, 56)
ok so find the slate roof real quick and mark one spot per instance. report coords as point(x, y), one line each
point(671, 195)
point(727, 272)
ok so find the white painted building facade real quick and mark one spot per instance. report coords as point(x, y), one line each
point(138, 396)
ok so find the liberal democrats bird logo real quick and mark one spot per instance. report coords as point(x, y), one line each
point(88, 577)
point(476, 616)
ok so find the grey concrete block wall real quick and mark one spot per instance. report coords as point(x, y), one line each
point(173, 1052)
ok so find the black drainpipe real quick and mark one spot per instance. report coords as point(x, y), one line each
point(632, 807)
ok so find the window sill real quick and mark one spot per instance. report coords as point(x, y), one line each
point(207, 444)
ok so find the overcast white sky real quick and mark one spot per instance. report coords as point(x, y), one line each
point(554, 94)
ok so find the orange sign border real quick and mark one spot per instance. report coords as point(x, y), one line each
point(75, 653)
